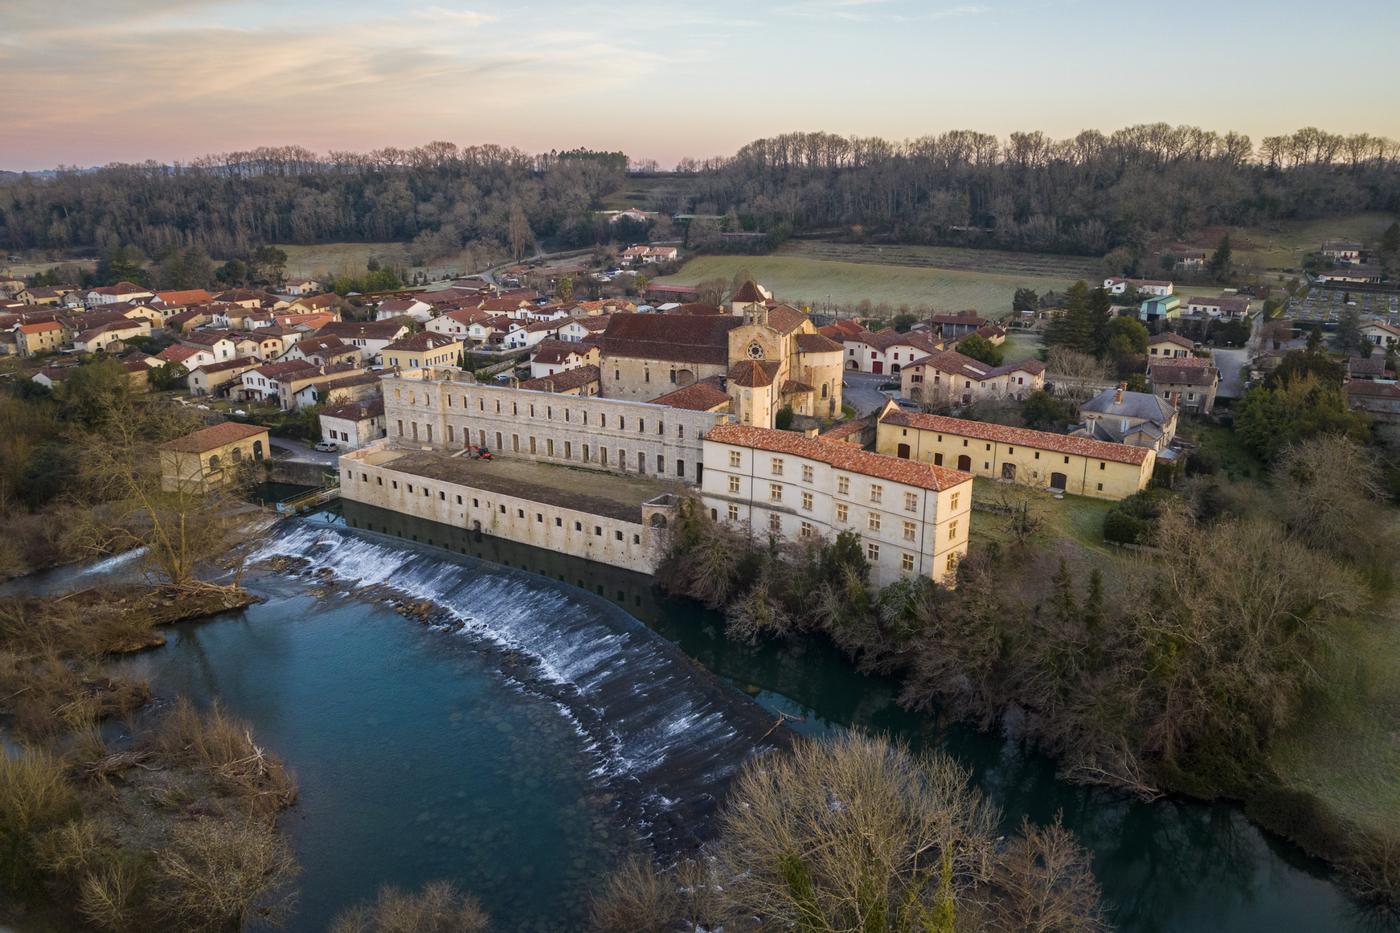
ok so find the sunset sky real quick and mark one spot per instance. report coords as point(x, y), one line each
point(92, 81)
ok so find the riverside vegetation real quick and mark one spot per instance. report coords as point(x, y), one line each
point(1177, 668)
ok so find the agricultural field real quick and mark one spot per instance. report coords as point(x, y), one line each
point(324, 259)
point(818, 275)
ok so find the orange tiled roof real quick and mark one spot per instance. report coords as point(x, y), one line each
point(1023, 437)
point(841, 456)
point(213, 437)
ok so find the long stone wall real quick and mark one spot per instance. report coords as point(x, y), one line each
point(448, 410)
point(366, 476)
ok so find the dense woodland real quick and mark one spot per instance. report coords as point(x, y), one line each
point(1089, 194)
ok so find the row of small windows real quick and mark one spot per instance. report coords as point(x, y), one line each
point(843, 483)
point(515, 411)
point(476, 504)
point(549, 448)
point(872, 550)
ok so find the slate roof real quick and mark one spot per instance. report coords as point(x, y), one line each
point(1143, 405)
point(842, 456)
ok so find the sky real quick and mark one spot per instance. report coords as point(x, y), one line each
point(86, 82)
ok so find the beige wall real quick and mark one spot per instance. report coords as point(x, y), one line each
point(940, 520)
point(642, 380)
point(1085, 476)
point(631, 545)
point(545, 426)
point(191, 471)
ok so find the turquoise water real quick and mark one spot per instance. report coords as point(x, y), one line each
point(516, 745)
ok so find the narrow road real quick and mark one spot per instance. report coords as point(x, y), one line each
point(302, 452)
point(862, 392)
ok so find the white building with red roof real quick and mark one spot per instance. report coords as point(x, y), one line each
point(912, 517)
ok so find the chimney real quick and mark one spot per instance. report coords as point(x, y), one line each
point(1118, 396)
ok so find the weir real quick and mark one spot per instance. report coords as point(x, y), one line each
point(666, 735)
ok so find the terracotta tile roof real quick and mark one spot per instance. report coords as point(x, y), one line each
point(670, 337)
point(1174, 339)
point(704, 395)
point(569, 379)
point(421, 341)
point(189, 296)
point(467, 315)
point(793, 387)
point(1174, 373)
point(749, 291)
point(753, 373)
point(557, 351)
point(363, 330)
point(290, 368)
point(240, 365)
point(889, 337)
point(817, 343)
point(320, 346)
point(213, 437)
point(356, 411)
point(179, 352)
point(844, 430)
point(40, 328)
point(1022, 437)
point(1373, 389)
point(840, 330)
point(845, 457)
point(696, 308)
point(785, 319)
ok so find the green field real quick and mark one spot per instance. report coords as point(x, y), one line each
point(1021, 345)
point(1347, 751)
point(324, 259)
point(817, 283)
point(1283, 245)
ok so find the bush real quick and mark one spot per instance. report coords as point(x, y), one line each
point(636, 899)
point(438, 908)
point(223, 747)
point(217, 874)
point(35, 797)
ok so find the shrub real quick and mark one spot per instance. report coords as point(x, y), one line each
point(636, 899)
point(438, 908)
point(217, 874)
point(223, 747)
point(35, 797)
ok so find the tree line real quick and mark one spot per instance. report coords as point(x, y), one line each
point(1088, 194)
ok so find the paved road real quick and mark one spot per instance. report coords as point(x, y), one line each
point(297, 450)
point(862, 392)
point(1231, 365)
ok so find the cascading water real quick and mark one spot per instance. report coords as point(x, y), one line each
point(666, 735)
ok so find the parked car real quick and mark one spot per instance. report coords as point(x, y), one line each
point(327, 446)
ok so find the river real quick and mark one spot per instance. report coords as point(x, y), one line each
point(536, 729)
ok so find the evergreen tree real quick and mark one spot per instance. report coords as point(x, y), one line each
point(1222, 259)
point(1099, 314)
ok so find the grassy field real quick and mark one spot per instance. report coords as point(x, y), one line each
point(1078, 518)
point(1282, 245)
point(814, 282)
point(1347, 751)
point(331, 258)
point(1021, 345)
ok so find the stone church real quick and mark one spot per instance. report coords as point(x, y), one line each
point(764, 355)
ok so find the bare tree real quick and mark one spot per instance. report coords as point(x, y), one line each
point(217, 874)
point(1077, 377)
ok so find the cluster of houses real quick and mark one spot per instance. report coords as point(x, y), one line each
point(1351, 264)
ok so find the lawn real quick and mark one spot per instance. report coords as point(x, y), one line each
point(819, 283)
point(1282, 245)
point(331, 258)
point(1021, 345)
point(1347, 749)
point(1078, 518)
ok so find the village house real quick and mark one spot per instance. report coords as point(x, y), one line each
point(951, 378)
point(188, 320)
point(912, 517)
point(99, 338)
point(1189, 259)
point(530, 335)
point(301, 287)
point(190, 357)
point(1381, 333)
point(214, 379)
point(323, 351)
point(336, 385)
point(556, 356)
point(1381, 400)
point(952, 326)
point(1368, 368)
point(1157, 288)
point(183, 298)
point(1224, 307)
point(1352, 275)
point(221, 344)
point(391, 308)
point(305, 320)
point(1167, 345)
point(423, 351)
point(456, 324)
point(50, 295)
point(111, 294)
point(263, 383)
point(579, 329)
point(1140, 419)
point(369, 337)
point(1188, 384)
point(40, 337)
point(211, 456)
point(647, 255)
point(1341, 251)
point(888, 351)
point(251, 299)
point(1057, 462)
point(583, 381)
point(354, 424)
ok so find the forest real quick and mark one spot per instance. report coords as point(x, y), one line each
point(1088, 195)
